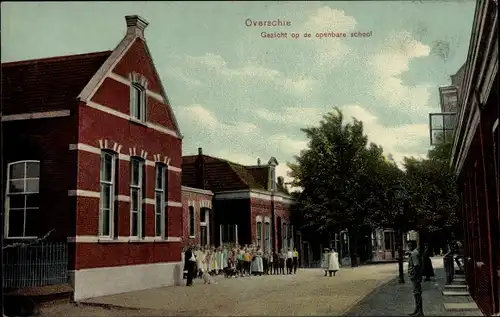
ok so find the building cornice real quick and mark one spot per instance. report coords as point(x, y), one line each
point(253, 193)
point(197, 190)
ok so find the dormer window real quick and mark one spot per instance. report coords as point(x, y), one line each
point(138, 97)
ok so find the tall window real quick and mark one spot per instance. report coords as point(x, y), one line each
point(228, 233)
point(388, 240)
point(290, 236)
point(136, 196)
point(285, 236)
point(259, 233)
point(138, 102)
point(23, 179)
point(267, 236)
point(273, 179)
point(107, 201)
point(192, 223)
point(160, 199)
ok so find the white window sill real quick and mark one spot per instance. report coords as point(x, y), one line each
point(21, 238)
point(192, 237)
point(137, 121)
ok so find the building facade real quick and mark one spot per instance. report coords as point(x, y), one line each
point(474, 158)
point(93, 155)
point(250, 205)
point(198, 216)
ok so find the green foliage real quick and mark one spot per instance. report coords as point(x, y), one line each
point(347, 183)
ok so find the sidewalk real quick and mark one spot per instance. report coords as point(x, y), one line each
point(394, 299)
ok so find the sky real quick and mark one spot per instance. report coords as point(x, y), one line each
point(241, 96)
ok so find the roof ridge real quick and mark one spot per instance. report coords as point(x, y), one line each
point(55, 58)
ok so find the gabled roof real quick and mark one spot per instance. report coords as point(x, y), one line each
point(47, 83)
point(223, 175)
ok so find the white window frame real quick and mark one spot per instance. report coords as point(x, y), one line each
point(8, 195)
point(111, 196)
point(284, 231)
point(139, 188)
point(192, 214)
point(259, 236)
point(267, 236)
point(161, 190)
point(137, 90)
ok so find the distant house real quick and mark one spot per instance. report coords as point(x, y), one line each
point(250, 205)
point(92, 149)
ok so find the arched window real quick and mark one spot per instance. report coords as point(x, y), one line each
point(259, 234)
point(23, 187)
point(192, 223)
point(267, 236)
point(138, 102)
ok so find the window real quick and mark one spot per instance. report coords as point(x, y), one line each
point(138, 102)
point(23, 179)
point(136, 196)
point(107, 200)
point(285, 238)
point(228, 233)
point(259, 234)
point(388, 240)
point(290, 236)
point(160, 199)
point(203, 214)
point(191, 221)
point(267, 237)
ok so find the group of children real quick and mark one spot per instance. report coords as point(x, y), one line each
point(239, 261)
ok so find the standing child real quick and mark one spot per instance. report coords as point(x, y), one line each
point(282, 256)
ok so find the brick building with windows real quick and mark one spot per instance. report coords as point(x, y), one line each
point(93, 153)
point(250, 205)
point(197, 216)
point(474, 158)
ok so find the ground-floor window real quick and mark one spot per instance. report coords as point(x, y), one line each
point(137, 182)
point(192, 223)
point(259, 234)
point(267, 237)
point(22, 212)
point(228, 233)
point(285, 236)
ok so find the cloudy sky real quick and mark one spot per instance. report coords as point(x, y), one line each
point(241, 96)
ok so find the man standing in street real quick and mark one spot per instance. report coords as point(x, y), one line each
point(189, 265)
point(415, 275)
point(295, 260)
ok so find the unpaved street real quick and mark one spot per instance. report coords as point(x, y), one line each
point(307, 293)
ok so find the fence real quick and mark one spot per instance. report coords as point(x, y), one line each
point(41, 264)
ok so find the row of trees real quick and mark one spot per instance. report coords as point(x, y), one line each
point(347, 183)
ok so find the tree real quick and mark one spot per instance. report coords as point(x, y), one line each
point(344, 179)
point(432, 191)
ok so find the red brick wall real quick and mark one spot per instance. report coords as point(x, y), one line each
point(95, 125)
point(46, 140)
point(187, 196)
point(263, 207)
point(95, 255)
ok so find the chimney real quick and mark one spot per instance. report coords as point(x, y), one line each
point(136, 25)
point(200, 170)
point(280, 180)
point(258, 161)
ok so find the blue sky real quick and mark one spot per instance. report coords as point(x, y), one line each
point(241, 96)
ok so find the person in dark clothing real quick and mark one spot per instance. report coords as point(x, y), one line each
point(276, 263)
point(295, 260)
point(189, 265)
point(428, 270)
point(415, 275)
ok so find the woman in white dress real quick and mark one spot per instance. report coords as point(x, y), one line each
point(324, 260)
point(257, 263)
point(333, 262)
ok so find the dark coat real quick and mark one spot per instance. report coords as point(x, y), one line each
point(428, 269)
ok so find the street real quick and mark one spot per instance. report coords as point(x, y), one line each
point(307, 293)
